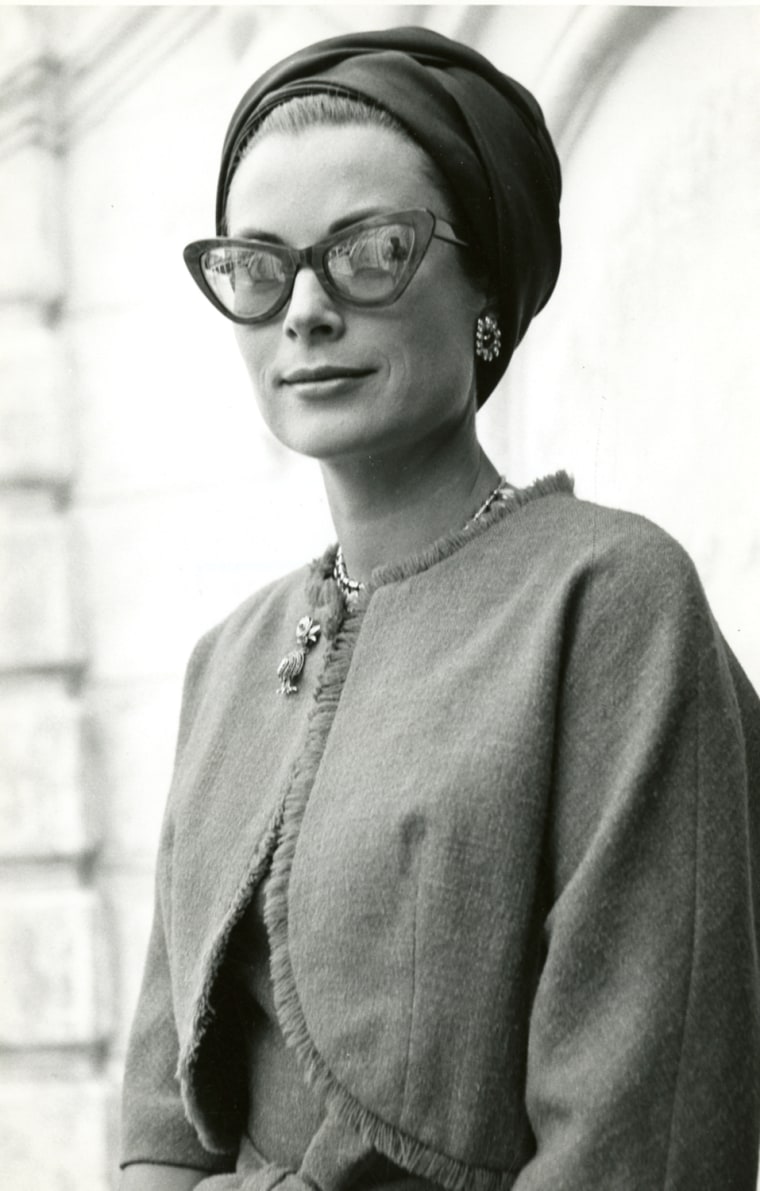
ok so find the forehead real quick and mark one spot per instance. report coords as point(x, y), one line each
point(296, 185)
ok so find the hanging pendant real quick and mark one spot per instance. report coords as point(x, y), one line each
point(307, 634)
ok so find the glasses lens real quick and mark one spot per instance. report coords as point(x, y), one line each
point(249, 282)
point(370, 264)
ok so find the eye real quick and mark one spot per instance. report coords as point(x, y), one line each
point(246, 280)
point(236, 266)
point(379, 247)
point(218, 266)
point(260, 267)
point(382, 250)
point(394, 249)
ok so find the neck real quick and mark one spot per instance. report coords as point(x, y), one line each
point(385, 509)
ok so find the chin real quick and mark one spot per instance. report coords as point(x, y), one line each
point(324, 433)
point(325, 447)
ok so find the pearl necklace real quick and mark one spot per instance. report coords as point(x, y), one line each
point(351, 587)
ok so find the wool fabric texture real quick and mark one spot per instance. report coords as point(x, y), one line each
point(510, 826)
point(484, 131)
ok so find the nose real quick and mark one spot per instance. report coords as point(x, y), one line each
point(311, 313)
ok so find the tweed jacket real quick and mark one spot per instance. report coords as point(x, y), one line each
point(511, 821)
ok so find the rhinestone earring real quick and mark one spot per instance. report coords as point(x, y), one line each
point(487, 338)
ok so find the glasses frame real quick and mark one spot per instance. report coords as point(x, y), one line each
point(427, 227)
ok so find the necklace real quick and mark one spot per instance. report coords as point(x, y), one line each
point(500, 492)
point(351, 587)
point(348, 587)
point(307, 629)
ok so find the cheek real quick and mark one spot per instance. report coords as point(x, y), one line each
point(445, 339)
point(257, 349)
point(444, 319)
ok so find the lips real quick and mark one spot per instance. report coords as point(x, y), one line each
point(323, 372)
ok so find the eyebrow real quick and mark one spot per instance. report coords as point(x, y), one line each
point(254, 233)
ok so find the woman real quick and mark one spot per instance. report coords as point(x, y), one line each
point(457, 882)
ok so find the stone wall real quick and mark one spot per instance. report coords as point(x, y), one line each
point(54, 999)
point(141, 498)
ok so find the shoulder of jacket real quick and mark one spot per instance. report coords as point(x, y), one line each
point(630, 591)
point(618, 546)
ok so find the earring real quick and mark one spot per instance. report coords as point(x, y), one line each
point(487, 338)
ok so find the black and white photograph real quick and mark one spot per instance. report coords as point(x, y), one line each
point(379, 634)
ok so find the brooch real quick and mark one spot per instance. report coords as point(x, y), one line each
point(307, 634)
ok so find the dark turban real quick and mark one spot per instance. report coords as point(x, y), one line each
point(483, 130)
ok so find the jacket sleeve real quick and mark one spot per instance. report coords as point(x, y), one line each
point(154, 1126)
point(644, 1039)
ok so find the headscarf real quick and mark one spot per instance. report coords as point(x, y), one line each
point(484, 131)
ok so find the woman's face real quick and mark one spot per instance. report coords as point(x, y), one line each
point(414, 360)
